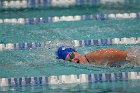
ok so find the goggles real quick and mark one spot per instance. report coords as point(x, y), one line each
point(72, 56)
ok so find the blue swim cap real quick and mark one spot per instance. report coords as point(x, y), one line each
point(63, 51)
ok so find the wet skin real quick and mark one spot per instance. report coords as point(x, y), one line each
point(99, 56)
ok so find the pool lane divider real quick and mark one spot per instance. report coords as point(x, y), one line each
point(43, 20)
point(69, 79)
point(75, 43)
point(55, 3)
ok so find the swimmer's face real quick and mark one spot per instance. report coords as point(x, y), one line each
point(73, 57)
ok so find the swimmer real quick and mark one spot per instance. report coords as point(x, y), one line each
point(107, 56)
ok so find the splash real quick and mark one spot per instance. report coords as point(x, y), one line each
point(134, 55)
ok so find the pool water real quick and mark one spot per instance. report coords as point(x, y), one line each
point(43, 62)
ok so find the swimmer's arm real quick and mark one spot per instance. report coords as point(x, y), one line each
point(106, 55)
